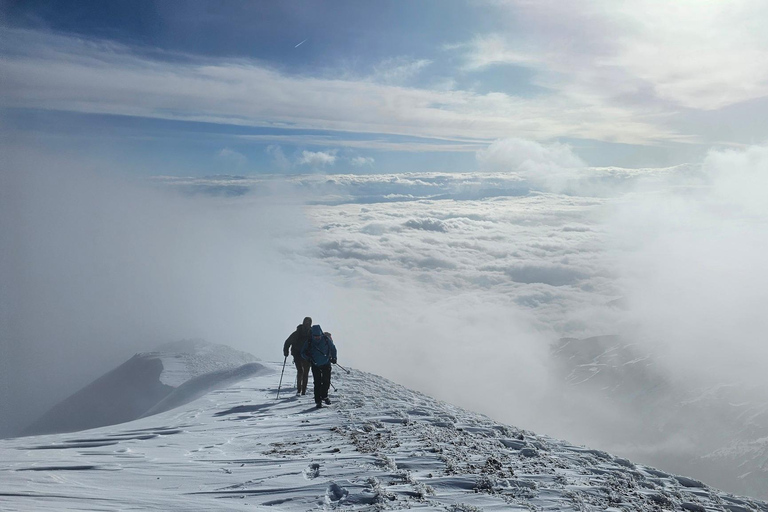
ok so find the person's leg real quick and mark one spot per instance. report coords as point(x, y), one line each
point(305, 372)
point(326, 380)
point(317, 376)
point(297, 362)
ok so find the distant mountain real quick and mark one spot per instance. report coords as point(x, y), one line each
point(378, 446)
point(717, 433)
point(133, 388)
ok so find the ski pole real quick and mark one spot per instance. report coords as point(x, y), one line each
point(281, 378)
point(337, 364)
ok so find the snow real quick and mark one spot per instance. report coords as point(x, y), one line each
point(186, 359)
point(167, 375)
point(378, 446)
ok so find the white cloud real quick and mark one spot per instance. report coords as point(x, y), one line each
point(692, 54)
point(692, 264)
point(317, 158)
point(741, 178)
point(278, 157)
point(548, 165)
point(449, 269)
point(398, 70)
point(362, 161)
point(233, 156)
point(57, 72)
point(406, 145)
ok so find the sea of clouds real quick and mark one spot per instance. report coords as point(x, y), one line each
point(455, 284)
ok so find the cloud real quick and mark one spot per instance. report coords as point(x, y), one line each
point(698, 55)
point(693, 270)
point(550, 165)
point(740, 178)
point(362, 161)
point(279, 160)
point(46, 71)
point(398, 70)
point(317, 158)
point(416, 274)
point(96, 267)
point(238, 159)
point(403, 144)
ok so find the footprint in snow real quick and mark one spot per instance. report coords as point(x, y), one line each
point(312, 471)
point(335, 492)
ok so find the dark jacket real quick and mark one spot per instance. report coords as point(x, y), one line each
point(296, 341)
point(319, 349)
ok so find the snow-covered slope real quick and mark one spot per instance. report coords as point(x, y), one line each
point(138, 385)
point(379, 446)
point(716, 432)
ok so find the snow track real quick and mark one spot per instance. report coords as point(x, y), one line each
point(379, 446)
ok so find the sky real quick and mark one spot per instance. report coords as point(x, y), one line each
point(448, 187)
point(236, 87)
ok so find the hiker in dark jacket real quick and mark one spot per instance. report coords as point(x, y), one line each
point(295, 343)
point(321, 353)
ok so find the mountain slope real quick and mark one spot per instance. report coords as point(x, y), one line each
point(715, 432)
point(379, 446)
point(121, 395)
point(131, 389)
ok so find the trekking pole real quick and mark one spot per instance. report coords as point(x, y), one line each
point(281, 378)
point(337, 364)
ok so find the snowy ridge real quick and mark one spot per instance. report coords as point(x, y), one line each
point(379, 446)
point(186, 359)
point(202, 384)
point(144, 382)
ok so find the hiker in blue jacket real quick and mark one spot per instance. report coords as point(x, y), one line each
point(321, 353)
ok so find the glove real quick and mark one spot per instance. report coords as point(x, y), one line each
point(285, 353)
point(333, 360)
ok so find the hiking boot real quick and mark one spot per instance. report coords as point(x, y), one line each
point(327, 401)
point(298, 393)
point(303, 391)
point(319, 405)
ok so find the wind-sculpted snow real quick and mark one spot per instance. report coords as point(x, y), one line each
point(186, 359)
point(202, 384)
point(175, 374)
point(380, 446)
point(121, 395)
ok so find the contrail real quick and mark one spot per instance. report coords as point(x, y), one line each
point(301, 43)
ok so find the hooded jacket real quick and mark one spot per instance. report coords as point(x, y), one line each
point(296, 341)
point(319, 349)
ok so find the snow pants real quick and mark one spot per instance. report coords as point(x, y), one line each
point(322, 378)
point(302, 374)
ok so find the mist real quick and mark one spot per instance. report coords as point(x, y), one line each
point(97, 266)
point(459, 289)
point(696, 280)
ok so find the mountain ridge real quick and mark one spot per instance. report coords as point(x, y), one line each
point(379, 446)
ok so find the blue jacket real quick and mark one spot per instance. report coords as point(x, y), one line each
point(319, 348)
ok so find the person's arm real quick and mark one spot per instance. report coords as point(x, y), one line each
point(287, 344)
point(333, 350)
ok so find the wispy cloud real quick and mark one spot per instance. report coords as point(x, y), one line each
point(397, 70)
point(697, 55)
point(56, 72)
point(362, 161)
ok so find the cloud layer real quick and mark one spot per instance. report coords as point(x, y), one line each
point(46, 71)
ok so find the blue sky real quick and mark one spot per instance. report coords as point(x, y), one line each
point(242, 87)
